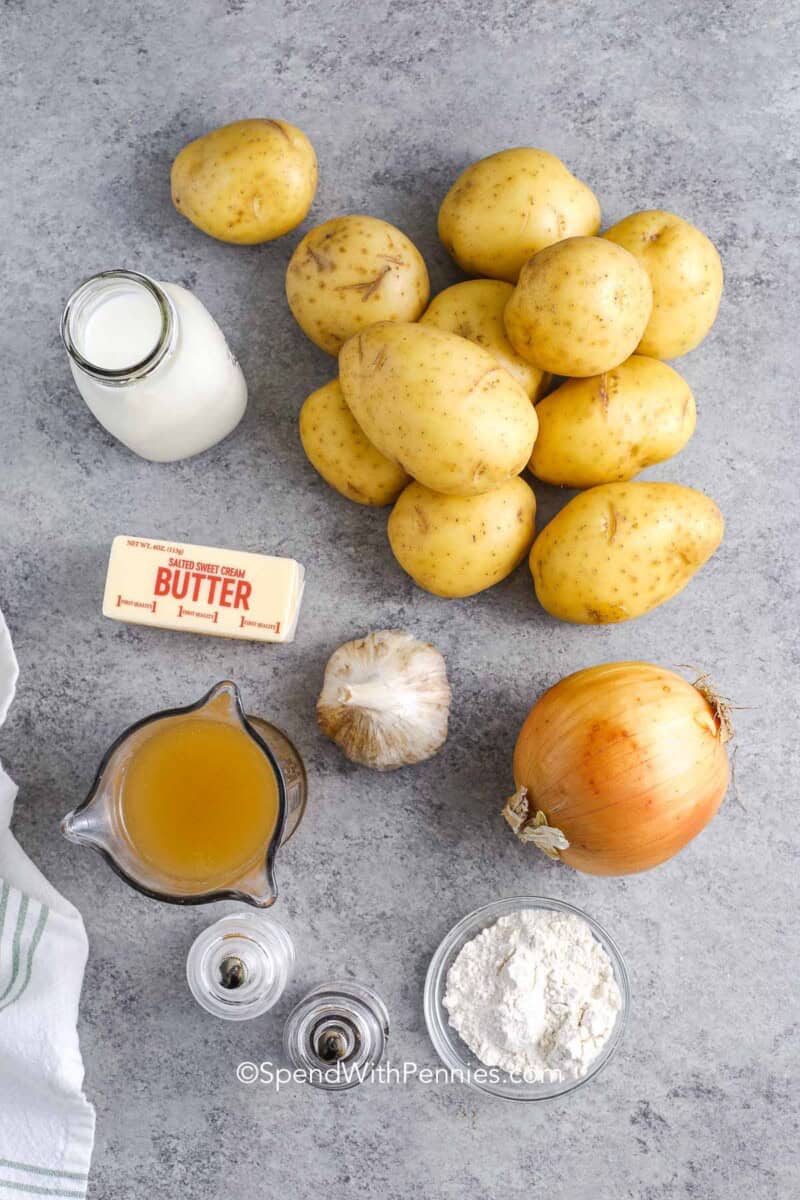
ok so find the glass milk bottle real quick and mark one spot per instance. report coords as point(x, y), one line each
point(152, 364)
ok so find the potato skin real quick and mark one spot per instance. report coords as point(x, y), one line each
point(459, 545)
point(349, 273)
point(438, 405)
point(336, 447)
point(579, 310)
point(609, 427)
point(247, 182)
point(619, 550)
point(474, 310)
point(508, 206)
point(686, 276)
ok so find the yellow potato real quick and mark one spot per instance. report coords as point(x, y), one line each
point(248, 182)
point(686, 276)
point(351, 272)
point(610, 427)
point(438, 405)
point(580, 307)
point(509, 206)
point(618, 550)
point(474, 310)
point(335, 446)
point(460, 545)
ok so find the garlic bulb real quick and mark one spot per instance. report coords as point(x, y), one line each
point(385, 700)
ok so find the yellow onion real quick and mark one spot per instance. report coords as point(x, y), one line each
point(619, 766)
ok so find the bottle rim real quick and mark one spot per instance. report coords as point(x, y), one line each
point(118, 375)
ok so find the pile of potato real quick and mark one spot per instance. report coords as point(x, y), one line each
point(551, 360)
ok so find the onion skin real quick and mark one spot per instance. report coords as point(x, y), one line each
point(628, 760)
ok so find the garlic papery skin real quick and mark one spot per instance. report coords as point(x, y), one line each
point(385, 700)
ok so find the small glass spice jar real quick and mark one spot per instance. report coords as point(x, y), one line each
point(337, 1034)
point(239, 967)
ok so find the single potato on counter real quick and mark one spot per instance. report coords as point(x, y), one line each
point(474, 310)
point(509, 206)
point(619, 550)
point(686, 276)
point(439, 406)
point(248, 182)
point(458, 545)
point(580, 307)
point(610, 427)
point(351, 272)
point(336, 447)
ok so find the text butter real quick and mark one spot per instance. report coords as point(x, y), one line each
point(202, 589)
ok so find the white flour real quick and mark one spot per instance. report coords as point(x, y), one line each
point(534, 992)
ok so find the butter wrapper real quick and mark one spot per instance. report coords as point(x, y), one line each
point(203, 589)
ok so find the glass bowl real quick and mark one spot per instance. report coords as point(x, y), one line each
point(457, 1056)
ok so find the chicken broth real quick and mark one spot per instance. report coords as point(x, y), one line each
point(199, 802)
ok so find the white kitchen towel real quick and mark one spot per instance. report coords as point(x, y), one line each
point(46, 1123)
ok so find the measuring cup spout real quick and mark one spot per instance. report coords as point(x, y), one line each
point(80, 827)
point(224, 701)
point(259, 888)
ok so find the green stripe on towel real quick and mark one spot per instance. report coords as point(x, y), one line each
point(3, 903)
point(31, 1189)
point(37, 935)
point(4, 891)
point(21, 915)
point(20, 1166)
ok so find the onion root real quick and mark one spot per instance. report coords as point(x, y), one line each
point(533, 827)
point(721, 707)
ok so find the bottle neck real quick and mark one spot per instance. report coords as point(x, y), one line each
point(118, 326)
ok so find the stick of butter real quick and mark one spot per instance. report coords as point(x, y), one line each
point(202, 589)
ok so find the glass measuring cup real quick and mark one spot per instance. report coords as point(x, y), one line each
point(100, 820)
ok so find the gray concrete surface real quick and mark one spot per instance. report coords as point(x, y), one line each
point(687, 106)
